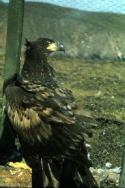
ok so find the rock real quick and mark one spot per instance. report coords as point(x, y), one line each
point(108, 165)
point(88, 146)
point(108, 176)
point(116, 170)
point(89, 157)
point(99, 175)
point(10, 177)
point(113, 178)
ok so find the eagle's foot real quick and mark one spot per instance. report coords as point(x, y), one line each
point(19, 165)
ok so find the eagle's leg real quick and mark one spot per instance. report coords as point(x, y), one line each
point(9, 154)
point(44, 172)
point(39, 179)
point(8, 148)
point(68, 173)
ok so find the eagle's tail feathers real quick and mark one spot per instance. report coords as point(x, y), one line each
point(68, 174)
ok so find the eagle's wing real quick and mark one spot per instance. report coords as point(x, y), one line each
point(43, 116)
point(46, 102)
point(44, 106)
point(52, 106)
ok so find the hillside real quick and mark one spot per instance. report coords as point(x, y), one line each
point(84, 34)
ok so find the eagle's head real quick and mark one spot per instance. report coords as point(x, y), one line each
point(44, 45)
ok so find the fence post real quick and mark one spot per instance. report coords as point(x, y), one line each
point(122, 175)
point(13, 51)
point(14, 37)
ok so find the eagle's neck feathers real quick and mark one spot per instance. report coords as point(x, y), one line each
point(36, 69)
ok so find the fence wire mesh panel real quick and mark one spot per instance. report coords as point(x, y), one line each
point(93, 68)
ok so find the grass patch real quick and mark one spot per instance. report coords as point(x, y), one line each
point(99, 89)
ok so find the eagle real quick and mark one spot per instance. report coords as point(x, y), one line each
point(44, 116)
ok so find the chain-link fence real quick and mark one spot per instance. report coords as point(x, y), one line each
point(93, 33)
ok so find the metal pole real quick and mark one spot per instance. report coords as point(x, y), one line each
point(14, 37)
point(122, 175)
point(12, 59)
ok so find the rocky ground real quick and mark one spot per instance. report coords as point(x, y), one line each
point(16, 178)
point(99, 89)
point(11, 177)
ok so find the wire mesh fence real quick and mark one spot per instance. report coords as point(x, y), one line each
point(93, 66)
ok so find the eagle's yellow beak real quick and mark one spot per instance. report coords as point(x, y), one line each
point(55, 47)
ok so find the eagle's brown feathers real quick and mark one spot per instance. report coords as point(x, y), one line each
point(42, 113)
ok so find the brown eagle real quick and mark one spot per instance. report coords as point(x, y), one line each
point(43, 115)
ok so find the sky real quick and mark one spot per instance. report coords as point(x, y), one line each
point(117, 6)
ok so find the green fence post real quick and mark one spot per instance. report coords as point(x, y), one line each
point(122, 175)
point(14, 37)
point(13, 51)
